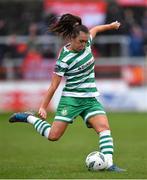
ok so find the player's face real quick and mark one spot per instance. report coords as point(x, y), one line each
point(80, 41)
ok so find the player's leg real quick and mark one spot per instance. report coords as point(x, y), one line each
point(100, 124)
point(64, 115)
point(95, 117)
point(52, 133)
point(41, 126)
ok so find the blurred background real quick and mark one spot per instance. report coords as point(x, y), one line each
point(28, 51)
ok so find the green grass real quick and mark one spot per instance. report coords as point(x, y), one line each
point(26, 154)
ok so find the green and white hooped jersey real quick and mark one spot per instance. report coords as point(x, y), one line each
point(78, 69)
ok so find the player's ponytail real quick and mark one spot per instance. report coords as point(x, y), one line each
point(68, 26)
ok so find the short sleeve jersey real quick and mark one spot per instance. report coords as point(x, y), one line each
point(78, 70)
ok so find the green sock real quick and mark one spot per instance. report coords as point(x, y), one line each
point(43, 127)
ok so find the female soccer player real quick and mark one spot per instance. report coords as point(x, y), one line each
point(76, 63)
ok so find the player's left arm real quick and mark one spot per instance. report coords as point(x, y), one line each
point(101, 28)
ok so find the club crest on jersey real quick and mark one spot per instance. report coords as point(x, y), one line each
point(64, 112)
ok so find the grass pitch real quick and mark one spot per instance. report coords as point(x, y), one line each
point(25, 154)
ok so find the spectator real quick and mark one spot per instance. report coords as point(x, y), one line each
point(12, 47)
point(136, 41)
point(3, 47)
point(32, 34)
point(144, 28)
point(129, 20)
point(46, 20)
point(3, 28)
point(31, 66)
point(114, 12)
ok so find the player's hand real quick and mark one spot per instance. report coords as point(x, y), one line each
point(42, 113)
point(115, 25)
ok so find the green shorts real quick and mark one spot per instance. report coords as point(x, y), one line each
point(70, 107)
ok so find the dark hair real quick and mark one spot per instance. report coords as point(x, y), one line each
point(68, 26)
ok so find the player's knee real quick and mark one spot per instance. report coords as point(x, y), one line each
point(103, 127)
point(53, 137)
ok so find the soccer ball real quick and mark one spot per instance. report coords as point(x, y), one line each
point(96, 161)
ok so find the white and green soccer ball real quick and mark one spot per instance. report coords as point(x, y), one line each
point(96, 161)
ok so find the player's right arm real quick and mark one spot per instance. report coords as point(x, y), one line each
point(59, 71)
point(101, 28)
point(56, 79)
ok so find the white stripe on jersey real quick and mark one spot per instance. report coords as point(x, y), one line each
point(92, 75)
point(84, 85)
point(79, 94)
point(59, 73)
point(63, 65)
